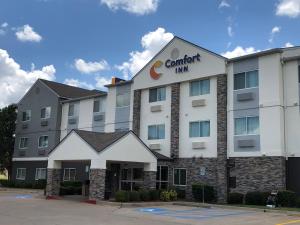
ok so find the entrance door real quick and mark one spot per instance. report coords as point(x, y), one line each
point(113, 177)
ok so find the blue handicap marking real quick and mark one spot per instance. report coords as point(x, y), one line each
point(23, 196)
point(152, 210)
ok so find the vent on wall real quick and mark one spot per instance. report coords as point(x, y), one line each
point(245, 96)
point(98, 117)
point(154, 146)
point(248, 143)
point(198, 145)
point(156, 108)
point(44, 123)
point(198, 103)
point(72, 121)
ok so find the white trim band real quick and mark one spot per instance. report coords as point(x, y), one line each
point(31, 159)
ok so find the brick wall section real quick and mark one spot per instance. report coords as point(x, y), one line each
point(258, 173)
point(136, 112)
point(175, 107)
point(53, 182)
point(97, 184)
point(222, 138)
point(149, 179)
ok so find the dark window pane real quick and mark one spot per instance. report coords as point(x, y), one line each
point(232, 182)
point(153, 95)
point(164, 173)
point(96, 106)
point(182, 177)
point(158, 173)
point(138, 173)
point(176, 176)
point(239, 81)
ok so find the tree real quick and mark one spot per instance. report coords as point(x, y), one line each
point(8, 116)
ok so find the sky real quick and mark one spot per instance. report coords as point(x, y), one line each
point(86, 42)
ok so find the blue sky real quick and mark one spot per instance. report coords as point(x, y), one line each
point(85, 42)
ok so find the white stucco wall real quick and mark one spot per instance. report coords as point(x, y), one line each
point(85, 120)
point(64, 120)
point(189, 114)
point(110, 110)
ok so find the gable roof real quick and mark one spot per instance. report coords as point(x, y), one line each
point(100, 141)
point(69, 92)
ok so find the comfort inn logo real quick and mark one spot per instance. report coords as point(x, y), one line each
point(153, 73)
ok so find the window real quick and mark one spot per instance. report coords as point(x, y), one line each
point(179, 176)
point(69, 174)
point(246, 80)
point(132, 178)
point(157, 94)
point(162, 177)
point(26, 115)
point(98, 106)
point(21, 174)
point(123, 100)
point(199, 87)
point(23, 143)
point(43, 142)
point(200, 129)
point(246, 125)
point(156, 132)
point(40, 173)
point(46, 112)
point(71, 110)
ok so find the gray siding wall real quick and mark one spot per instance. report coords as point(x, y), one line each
point(38, 97)
point(99, 124)
point(122, 113)
point(80, 167)
point(246, 103)
point(30, 169)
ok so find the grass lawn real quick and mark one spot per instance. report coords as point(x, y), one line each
point(264, 207)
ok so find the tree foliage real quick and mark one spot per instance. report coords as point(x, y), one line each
point(8, 116)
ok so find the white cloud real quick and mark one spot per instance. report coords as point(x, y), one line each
point(230, 31)
point(77, 83)
point(239, 51)
point(288, 45)
point(290, 8)
point(3, 28)
point(224, 4)
point(139, 7)
point(14, 81)
point(26, 33)
point(151, 42)
point(101, 81)
point(5, 24)
point(274, 30)
point(90, 67)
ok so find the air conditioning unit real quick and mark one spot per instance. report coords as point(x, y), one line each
point(154, 146)
point(198, 103)
point(248, 143)
point(24, 125)
point(41, 152)
point(156, 108)
point(72, 120)
point(98, 117)
point(245, 96)
point(198, 145)
point(44, 123)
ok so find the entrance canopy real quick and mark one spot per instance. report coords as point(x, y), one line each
point(102, 147)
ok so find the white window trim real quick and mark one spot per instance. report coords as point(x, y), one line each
point(45, 118)
point(198, 80)
point(36, 170)
point(17, 178)
point(157, 129)
point(73, 116)
point(180, 185)
point(20, 143)
point(29, 117)
point(156, 94)
point(69, 174)
point(242, 117)
point(199, 123)
point(39, 142)
point(123, 106)
point(246, 81)
point(160, 181)
point(131, 180)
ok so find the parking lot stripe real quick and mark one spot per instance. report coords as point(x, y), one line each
point(289, 222)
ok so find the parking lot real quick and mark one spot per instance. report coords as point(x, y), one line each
point(17, 208)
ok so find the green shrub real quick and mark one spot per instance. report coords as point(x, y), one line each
point(235, 198)
point(39, 184)
point(70, 188)
point(7, 183)
point(145, 195)
point(71, 184)
point(122, 196)
point(209, 193)
point(298, 202)
point(168, 195)
point(256, 198)
point(134, 196)
point(287, 198)
point(154, 195)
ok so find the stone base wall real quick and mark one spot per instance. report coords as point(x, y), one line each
point(53, 182)
point(97, 184)
point(258, 173)
point(149, 179)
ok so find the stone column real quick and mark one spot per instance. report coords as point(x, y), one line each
point(222, 138)
point(97, 184)
point(136, 112)
point(175, 108)
point(53, 182)
point(149, 180)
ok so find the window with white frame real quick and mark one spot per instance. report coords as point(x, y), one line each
point(40, 173)
point(26, 115)
point(246, 80)
point(156, 132)
point(246, 125)
point(23, 144)
point(199, 87)
point(98, 106)
point(46, 112)
point(157, 94)
point(179, 176)
point(200, 129)
point(132, 178)
point(43, 141)
point(123, 99)
point(21, 174)
point(71, 112)
point(162, 177)
point(69, 174)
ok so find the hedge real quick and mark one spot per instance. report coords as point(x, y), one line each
point(167, 196)
point(287, 199)
point(256, 198)
point(209, 193)
point(235, 198)
point(134, 196)
point(38, 184)
point(70, 188)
